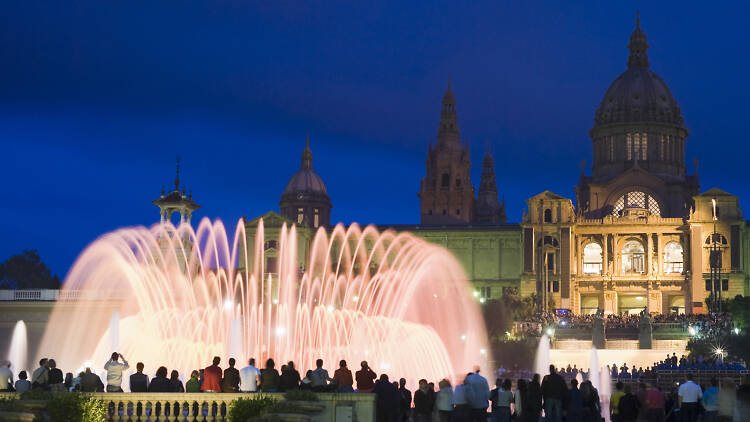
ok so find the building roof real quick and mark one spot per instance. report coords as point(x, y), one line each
point(305, 180)
point(638, 94)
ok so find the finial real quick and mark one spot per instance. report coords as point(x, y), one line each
point(177, 177)
point(162, 190)
point(184, 191)
point(190, 194)
point(638, 19)
point(307, 154)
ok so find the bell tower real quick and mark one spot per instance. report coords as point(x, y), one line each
point(446, 193)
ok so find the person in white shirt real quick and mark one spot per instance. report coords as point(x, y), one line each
point(114, 372)
point(6, 377)
point(22, 384)
point(689, 394)
point(249, 377)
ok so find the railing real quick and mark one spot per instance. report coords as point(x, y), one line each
point(213, 407)
point(50, 295)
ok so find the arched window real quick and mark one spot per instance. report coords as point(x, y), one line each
point(636, 199)
point(673, 258)
point(716, 237)
point(592, 259)
point(300, 215)
point(633, 257)
point(548, 215)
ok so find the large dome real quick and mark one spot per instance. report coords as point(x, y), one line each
point(638, 95)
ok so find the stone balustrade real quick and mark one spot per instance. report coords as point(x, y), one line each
point(51, 295)
point(212, 407)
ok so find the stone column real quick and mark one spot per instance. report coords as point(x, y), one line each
point(659, 255)
point(695, 286)
point(605, 255)
point(649, 253)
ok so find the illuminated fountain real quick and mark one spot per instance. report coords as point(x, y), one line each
point(18, 350)
point(541, 360)
point(182, 296)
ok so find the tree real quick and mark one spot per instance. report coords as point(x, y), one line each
point(27, 271)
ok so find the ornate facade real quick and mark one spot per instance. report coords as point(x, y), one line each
point(639, 234)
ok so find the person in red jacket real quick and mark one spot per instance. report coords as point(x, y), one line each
point(212, 377)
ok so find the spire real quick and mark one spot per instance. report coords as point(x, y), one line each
point(488, 209)
point(177, 177)
point(307, 154)
point(638, 46)
point(448, 134)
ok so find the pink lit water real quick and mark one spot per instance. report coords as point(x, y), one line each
point(182, 296)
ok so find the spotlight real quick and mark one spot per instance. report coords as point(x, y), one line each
point(476, 293)
point(228, 304)
point(481, 300)
point(330, 308)
point(736, 330)
point(280, 331)
point(463, 337)
point(482, 351)
point(355, 299)
point(550, 331)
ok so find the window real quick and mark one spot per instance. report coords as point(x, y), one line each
point(716, 237)
point(445, 212)
point(555, 286)
point(632, 257)
point(708, 285)
point(636, 146)
point(548, 215)
point(458, 183)
point(485, 292)
point(662, 146)
point(300, 215)
point(429, 212)
point(316, 218)
point(611, 149)
point(458, 211)
point(445, 180)
point(629, 146)
point(673, 258)
point(271, 264)
point(725, 285)
point(644, 146)
point(592, 259)
point(550, 258)
point(271, 244)
point(636, 199)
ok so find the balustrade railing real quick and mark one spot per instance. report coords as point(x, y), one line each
point(213, 407)
point(49, 295)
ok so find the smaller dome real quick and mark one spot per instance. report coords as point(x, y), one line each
point(306, 181)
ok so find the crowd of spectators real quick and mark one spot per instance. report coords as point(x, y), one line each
point(704, 324)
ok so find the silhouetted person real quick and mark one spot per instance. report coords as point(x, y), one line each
point(343, 378)
point(387, 400)
point(574, 403)
point(423, 403)
point(289, 379)
point(160, 383)
point(532, 406)
point(40, 376)
point(231, 381)
point(554, 392)
point(320, 377)
point(269, 378)
point(91, 383)
point(139, 380)
point(404, 400)
point(365, 378)
point(629, 406)
point(249, 377)
point(174, 379)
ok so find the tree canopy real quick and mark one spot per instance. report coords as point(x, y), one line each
point(27, 271)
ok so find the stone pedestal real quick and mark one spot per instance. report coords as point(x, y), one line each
point(645, 331)
point(599, 332)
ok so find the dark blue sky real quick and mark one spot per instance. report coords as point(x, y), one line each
point(97, 99)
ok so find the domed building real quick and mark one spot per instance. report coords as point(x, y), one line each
point(305, 199)
point(639, 235)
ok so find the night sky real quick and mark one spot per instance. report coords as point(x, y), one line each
point(97, 100)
